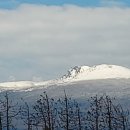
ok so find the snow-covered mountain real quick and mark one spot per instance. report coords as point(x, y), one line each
point(80, 83)
point(76, 74)
point(79, 73)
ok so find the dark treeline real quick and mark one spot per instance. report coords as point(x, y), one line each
point(47, 113)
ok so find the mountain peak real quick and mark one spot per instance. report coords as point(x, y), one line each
point(103, 71)
point(78, 73)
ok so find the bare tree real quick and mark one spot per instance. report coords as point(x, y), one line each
point(109, 114)
point(26, 115)
point(79, 116)
point(0, 121)
point(94, 114)
point(9, 113)
point(105, 114)
point(122, 118)
point(67, 113)
point(45, 112)
point(112, 114)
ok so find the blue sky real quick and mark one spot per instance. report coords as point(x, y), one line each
point(9, 4)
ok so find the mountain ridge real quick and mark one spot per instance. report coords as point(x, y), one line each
point(78, 73)
point(103, 71)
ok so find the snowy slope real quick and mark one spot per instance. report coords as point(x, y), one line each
point(79, 83)
point(78, 73)
point(25, 85)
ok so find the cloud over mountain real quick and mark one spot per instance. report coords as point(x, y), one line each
point(44, 41)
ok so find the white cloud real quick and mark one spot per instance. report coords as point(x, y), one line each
point(44, 41)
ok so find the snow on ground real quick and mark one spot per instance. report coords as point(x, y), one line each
point(23, 85)
point(78, 73)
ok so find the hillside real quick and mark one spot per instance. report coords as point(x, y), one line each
point(76, 74)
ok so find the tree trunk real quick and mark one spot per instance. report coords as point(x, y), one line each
point(7, 111)
point(0, 122)
point(66, 109)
